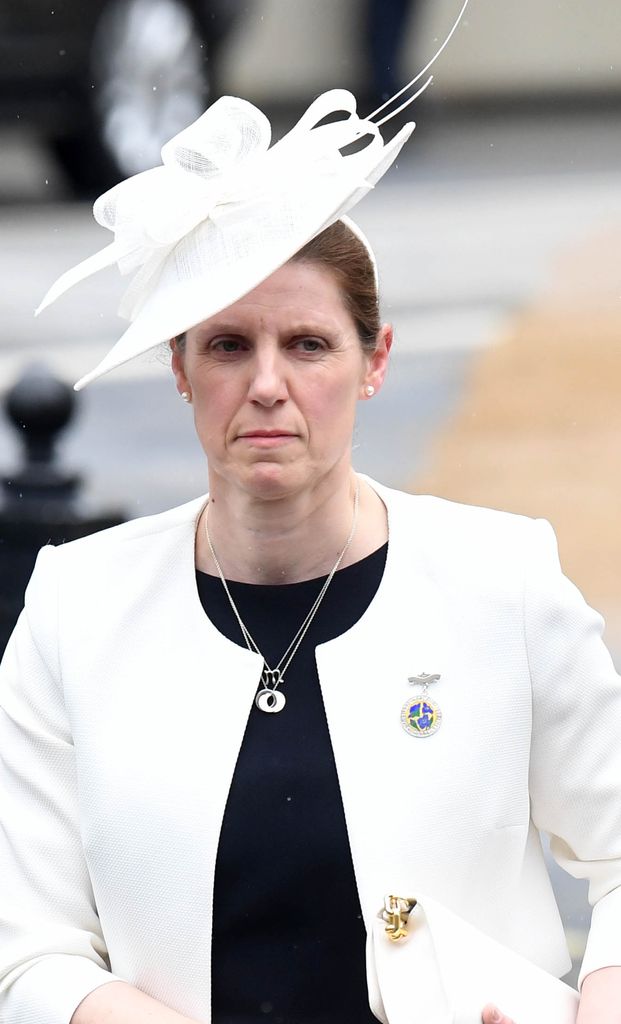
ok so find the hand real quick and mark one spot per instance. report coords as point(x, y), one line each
point(492, 1015)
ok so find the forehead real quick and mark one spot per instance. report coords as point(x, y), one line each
point(297, 292)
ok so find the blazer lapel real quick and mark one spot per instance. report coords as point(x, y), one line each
point(385, 774)
point(209, 674)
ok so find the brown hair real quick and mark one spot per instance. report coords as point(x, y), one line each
point(341, 252)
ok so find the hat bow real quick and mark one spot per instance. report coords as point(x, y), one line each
point(223, 158)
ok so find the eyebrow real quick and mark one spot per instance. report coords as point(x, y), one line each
point(239, 328)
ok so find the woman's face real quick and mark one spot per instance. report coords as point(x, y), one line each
point(274, 381)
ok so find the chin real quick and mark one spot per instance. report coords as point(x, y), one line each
point(271, 481)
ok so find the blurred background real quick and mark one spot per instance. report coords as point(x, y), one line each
point(498, 236)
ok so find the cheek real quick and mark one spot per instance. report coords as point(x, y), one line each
point(214, 409)
point(332, 405)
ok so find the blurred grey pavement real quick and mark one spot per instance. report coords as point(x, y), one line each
point(467, 228)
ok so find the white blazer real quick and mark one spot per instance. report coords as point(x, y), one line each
point(123, 709)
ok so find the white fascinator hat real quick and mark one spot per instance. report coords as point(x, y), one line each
point(225, 209)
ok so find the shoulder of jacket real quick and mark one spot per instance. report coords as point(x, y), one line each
point(467, 539)
point(447, 515)
point(132, 532)
point(110, 563)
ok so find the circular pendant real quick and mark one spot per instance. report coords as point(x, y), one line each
point(420, 717)
point(270, 701)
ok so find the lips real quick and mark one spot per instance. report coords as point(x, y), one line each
point(266, 433)
point(266, 440)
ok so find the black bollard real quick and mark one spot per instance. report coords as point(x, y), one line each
point(40, 499)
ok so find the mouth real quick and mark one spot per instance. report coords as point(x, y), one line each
point(267, 433)
point(266, 438)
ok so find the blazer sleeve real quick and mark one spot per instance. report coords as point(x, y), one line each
point(575, 772)
point(52, 951)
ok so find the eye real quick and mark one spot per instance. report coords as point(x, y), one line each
point(310, 344)
point(226, 346)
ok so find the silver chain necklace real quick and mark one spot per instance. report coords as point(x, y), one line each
point(269, 697)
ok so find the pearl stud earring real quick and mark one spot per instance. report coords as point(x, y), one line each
point(186, 396)
point(369, 390)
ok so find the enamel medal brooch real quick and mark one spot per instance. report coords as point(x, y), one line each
point(421, 716)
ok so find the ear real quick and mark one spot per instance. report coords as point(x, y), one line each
point(177, 364)
point(377, 361)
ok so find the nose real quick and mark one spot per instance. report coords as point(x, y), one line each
point(268, 384)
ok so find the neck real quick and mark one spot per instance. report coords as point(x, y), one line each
point(290, 539)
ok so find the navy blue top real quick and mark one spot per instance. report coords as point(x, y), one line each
point(288, 935)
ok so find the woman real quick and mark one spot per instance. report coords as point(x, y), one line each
point(212, 718)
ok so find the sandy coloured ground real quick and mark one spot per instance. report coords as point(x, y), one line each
point(539, 428)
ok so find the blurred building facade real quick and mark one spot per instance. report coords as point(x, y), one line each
point(295, 48)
